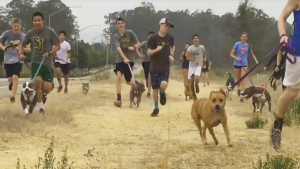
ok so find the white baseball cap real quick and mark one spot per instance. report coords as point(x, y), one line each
point(166, 21)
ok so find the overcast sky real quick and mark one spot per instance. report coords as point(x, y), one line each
point(93, 11)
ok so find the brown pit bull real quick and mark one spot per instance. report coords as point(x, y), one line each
point(136, 92)
point(212, 112)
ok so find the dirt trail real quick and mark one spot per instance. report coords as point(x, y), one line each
point(129, 138)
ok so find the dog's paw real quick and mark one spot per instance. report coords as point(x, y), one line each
point(216, 142)
point(204, 142)
point(26, 111)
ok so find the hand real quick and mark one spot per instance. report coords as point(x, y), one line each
point(284, 39)
point(126, 61)
point(4, 48)
point(159, 48)
point(141, 56)
point(276, 69)
point(22, 57)
point(265, 68)
point(130, 48)
point(47, 54)
point(256, 61)
point(238, 59)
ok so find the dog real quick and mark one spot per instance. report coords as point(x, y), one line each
point(85, 87)
point(28, 97)
point(212, 112)
point(192, 88)
point(259, 95)
point(230, 81)
point(137, 89)
point(187, 93)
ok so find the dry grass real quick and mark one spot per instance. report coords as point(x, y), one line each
point(129, 138)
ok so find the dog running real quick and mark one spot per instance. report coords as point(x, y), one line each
point(259, 95)
point(230, 81)
point(136, 92)
point(85, 87)
point(212, 112)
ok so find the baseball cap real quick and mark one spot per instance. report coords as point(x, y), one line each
point(166, 21)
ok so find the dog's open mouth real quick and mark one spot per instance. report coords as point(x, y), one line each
point(28, 92)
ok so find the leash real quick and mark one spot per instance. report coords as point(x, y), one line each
point(286, 46)
point(133, 78)
point(38, 70)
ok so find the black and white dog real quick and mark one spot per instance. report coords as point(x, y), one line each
point(230, 81)
point(28, 97)
point(259, 95)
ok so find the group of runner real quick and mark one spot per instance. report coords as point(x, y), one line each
point(43, 43)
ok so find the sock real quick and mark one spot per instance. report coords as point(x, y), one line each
point(156, 105)
point(278, 123)
point(41, 105)
point(119, 97)
point(161, 91)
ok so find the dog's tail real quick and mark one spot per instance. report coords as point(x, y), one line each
point(192, 88)
point(229, 74)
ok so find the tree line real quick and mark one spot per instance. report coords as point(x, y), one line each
point(217, 33)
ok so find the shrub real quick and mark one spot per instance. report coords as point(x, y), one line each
point(49, 160)
point(276, 162)
point(256, 122)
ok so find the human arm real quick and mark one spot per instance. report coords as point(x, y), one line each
point(252, 54)
point(119, 49)
point(69, 51)
point(3, 38)
point(290, 6)
point(152, 47)
point(232, 53)
point(209, 65)
point(181, 56)
point(172, 46)
point(142, 49)
point(279, 58)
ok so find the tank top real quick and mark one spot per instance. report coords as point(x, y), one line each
point(295, 41)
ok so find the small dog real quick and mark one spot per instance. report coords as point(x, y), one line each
point(230, 81)
point(136, 92)
point(259, 95)
point(187, 93)
point(212, 112)
point(28, 97)
point(85, 87)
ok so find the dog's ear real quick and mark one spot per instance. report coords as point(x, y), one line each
point(222, 91)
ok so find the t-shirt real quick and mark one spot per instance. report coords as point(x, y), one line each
point(128, 39)
point(62, 54)
point(197, 52)
point(41, 43)
point(11, 55)
point(241, 51)
point(160, 61)
point(143, 50)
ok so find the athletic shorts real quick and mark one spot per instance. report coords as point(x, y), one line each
point(194, 71)
point(46, 72)
point(63, 67)
point(204, 70)
point(239, 67)
point(13, 69)
point(185, 64)
point(146, 67)
point(124, 69)
point(157, 78)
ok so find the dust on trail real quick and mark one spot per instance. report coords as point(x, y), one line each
point(129, 138)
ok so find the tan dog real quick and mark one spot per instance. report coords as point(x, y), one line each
point(212, 112)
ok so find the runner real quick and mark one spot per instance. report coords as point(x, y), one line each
point(205, 70)
point(292, 73)
point(126, 43)
point(42, 39)
point(62, 60)
point(160, 49)
point(185, 67)
point(9, 42)
point(146, 62)
point(196, 55)
point(240, 54)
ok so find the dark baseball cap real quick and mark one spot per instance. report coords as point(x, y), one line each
point(166, 21)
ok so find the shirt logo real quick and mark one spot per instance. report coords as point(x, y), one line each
point(243, 50)
point(38, 43)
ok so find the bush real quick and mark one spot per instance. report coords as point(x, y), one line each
point(256, 122)
point(49, 160)
point(276, 162)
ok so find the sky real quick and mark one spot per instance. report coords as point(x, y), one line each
point(93, 11)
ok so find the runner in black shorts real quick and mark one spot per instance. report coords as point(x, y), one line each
point(146, 62)
point(159, 49)
point(205, 70)
point(126, 43)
